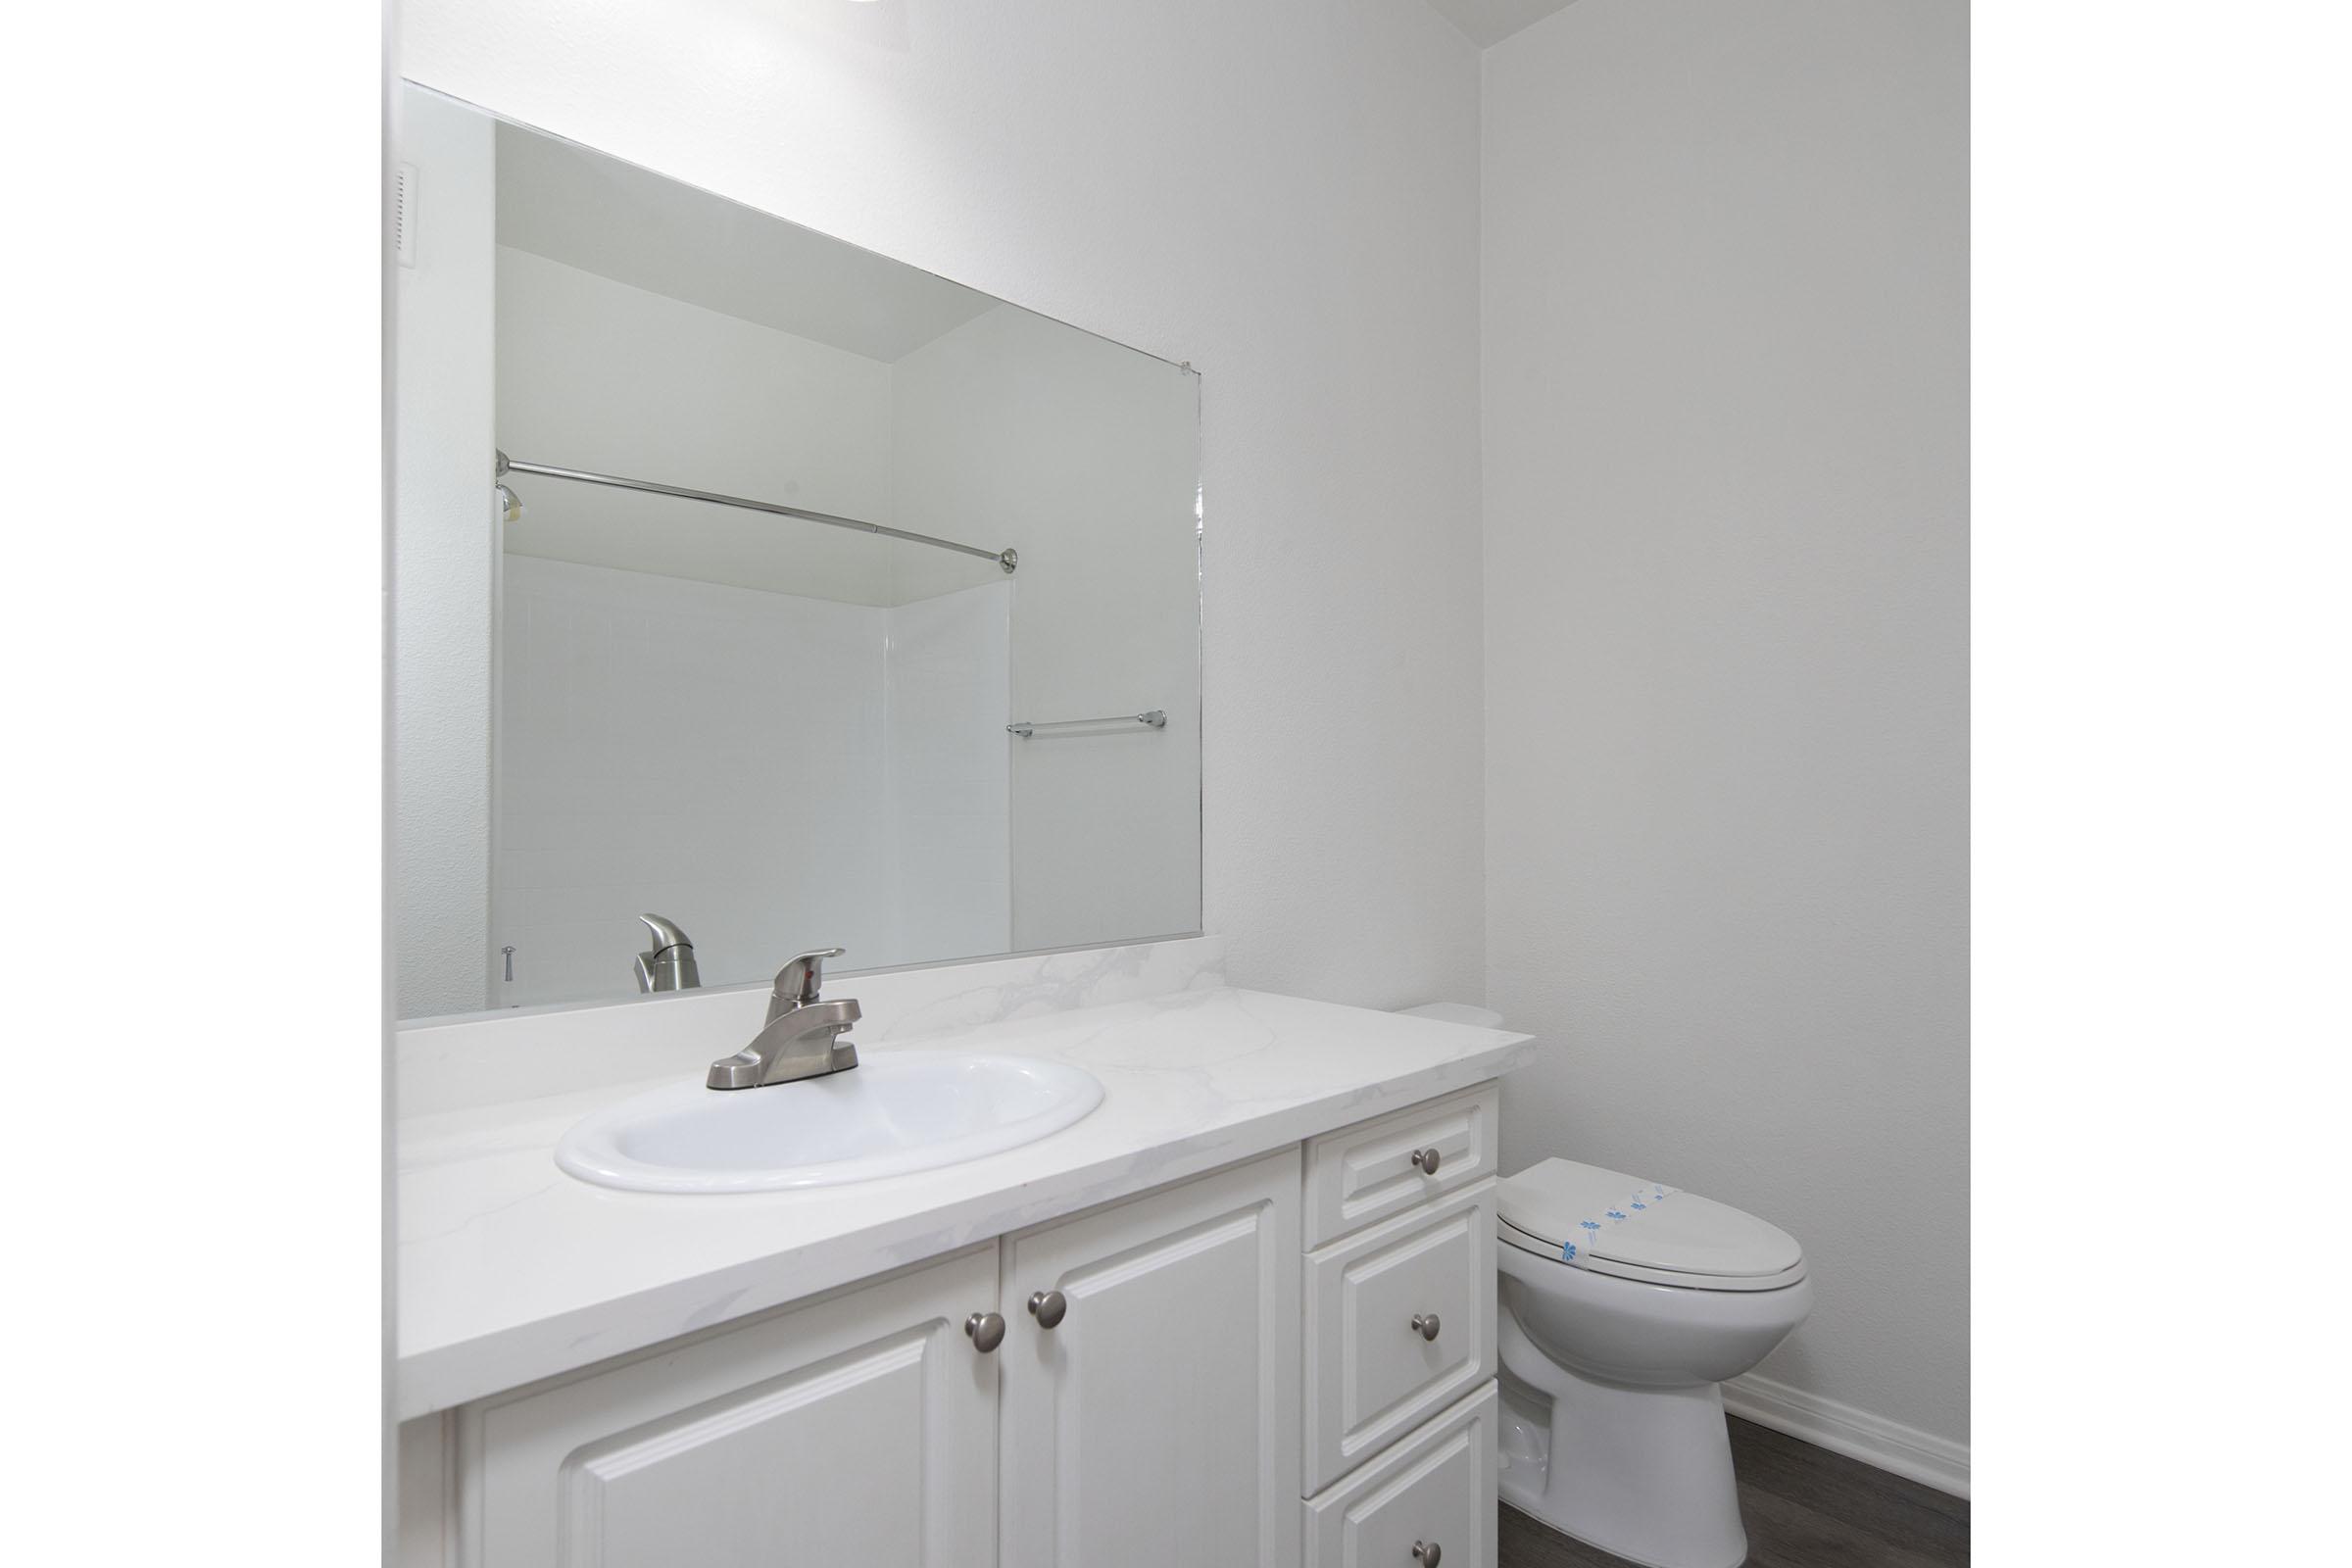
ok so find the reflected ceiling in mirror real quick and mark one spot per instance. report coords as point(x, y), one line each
point(819, 699)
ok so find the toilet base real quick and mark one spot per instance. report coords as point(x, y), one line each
point(1641, 1473)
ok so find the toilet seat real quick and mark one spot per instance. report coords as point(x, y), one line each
point(1606, 1222)
point(1512, 1237)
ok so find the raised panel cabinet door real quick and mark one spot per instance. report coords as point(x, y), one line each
point(859, 1428)
point(1156, 1423)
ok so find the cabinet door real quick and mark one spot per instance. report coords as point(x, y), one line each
point(859, 1428)
point(1157, 1425)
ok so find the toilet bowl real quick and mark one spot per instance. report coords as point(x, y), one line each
point(1623, 1304)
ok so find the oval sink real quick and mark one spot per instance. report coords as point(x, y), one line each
point(892, 1114)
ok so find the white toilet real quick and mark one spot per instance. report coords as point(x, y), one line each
point(1623, 1305)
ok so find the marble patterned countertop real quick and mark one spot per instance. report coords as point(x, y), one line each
point(510, 1270)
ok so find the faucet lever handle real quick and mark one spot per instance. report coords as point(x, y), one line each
point(805, 973)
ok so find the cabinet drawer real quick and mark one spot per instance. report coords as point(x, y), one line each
point(1367, 1172)
point(1438, 1486)
point(1371, 1374)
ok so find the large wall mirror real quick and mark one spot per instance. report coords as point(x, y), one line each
point(767, 587)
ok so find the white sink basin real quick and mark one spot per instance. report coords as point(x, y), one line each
point(895, 1112)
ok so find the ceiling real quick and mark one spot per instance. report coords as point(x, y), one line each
point(560, 200)
point(1489, 22)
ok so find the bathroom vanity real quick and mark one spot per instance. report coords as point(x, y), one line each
point(1242, 1313)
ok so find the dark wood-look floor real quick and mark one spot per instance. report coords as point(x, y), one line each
point(1804, 1507)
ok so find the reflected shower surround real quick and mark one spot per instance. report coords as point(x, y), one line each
point(738, 820)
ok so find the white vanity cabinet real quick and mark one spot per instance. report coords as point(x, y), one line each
point(1150, 1416)
point(1206, 1372)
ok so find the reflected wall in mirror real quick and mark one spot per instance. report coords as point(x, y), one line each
point(764, 724)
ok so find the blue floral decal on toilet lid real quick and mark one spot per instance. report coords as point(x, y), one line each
point(1648, 1196)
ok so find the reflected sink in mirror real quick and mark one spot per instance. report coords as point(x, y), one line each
point(894, 1114)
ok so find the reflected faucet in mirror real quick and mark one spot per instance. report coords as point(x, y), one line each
point(802, 1036)
point(669, 965)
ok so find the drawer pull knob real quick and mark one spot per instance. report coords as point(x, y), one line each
point(1427, 1160)
point(1425, 1324)
point(1426, 1553)
point(1049, 1307)
point(987, 1330)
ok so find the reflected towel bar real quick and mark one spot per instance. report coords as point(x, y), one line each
point(1155, 718)
point(1007, 558)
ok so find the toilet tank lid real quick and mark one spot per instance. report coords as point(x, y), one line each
point(1609, 1215)
point(1456, 1012)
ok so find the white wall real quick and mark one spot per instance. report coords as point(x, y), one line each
point(444, 565)
point(1085, 456)
point(1283, 195)
point(1726, 464)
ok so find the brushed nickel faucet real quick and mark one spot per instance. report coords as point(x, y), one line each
point(669, 965)
point(802, 1036)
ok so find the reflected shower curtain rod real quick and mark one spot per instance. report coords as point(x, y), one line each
point(1007, 558)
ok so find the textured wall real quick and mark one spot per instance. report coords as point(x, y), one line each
point(1287, 196)
point(1727, 465)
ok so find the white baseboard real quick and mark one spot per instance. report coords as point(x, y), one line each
point(1906, 1451)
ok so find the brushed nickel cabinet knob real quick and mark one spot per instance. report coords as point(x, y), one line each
point(1427, 1553)
point(987, 1330)
point(1425, 1324)
point(1049, 1307)
point(1427, 1160)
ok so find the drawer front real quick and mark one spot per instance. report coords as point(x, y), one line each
point(1372, 1374)
point(1367, 1172)
point(1437, 1488)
